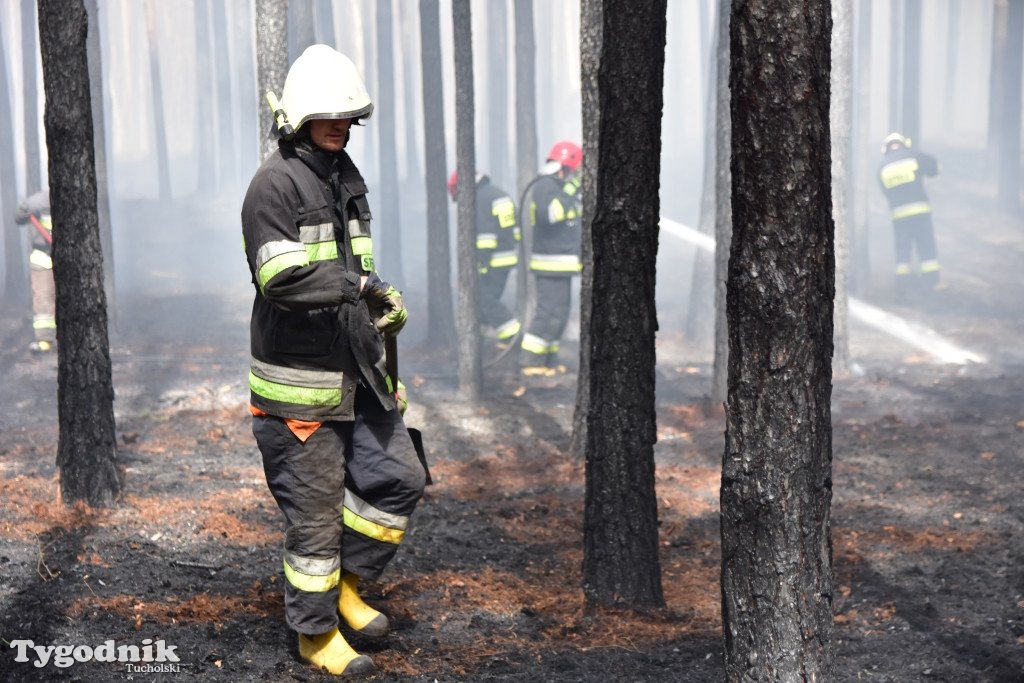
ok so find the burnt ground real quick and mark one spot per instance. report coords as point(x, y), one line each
point(928, 517)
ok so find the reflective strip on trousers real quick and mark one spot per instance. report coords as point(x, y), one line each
point(556, 263)
point(504, 259)
point(929, 266)
point(536, 345)
point(39, 259)
point(369, 521)
point(912, 209)
point(310, 574)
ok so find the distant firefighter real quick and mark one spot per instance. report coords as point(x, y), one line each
point(556, 221)
point(902, 175)
point(35, 209)
point(497, 251)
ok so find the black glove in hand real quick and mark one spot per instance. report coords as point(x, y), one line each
point(385, 305)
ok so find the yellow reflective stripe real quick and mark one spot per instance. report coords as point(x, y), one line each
point(899, 173)
point(273, 257)
point(44, 323)
point(903, 269)
point(556, 263)
point(311, 583)
point(373, 530)
point(325, 251)
point(534, 344)
point(487, 240)
point(914, 209)
point(505, 211)
point(508, 330)
point(362, 245)
point(40, 259)
point(929, 266)
point(571, 187)
point(372, 522)
point(556, 212)
point(504, 259)
point(286, 393)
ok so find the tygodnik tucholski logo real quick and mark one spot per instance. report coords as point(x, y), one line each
point(150, 657)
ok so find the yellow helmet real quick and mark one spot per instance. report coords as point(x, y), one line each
point(322, 83)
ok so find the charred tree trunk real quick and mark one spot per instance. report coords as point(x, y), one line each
point(440, 315)
point(389, 223)
point(723, 206)
point(206, 173)
point(30, 97)
point(465, 152)
point(860, 220)
point(776, 472)
point(1010, 135)
point(301, 28)
point(100, 150)
point(526, 97)
point(842, 76)
point(163, 164)
point(16, 281)
point(271, 65)
point(997, 78)
point(87, 447)
point(497, 94)
point(624, 43)
point(911, 108)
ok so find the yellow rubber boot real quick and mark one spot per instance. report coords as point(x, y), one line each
point(332, 652)
point(359, 616)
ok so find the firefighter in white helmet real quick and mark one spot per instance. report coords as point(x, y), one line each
point(327, 418)
point(901, 174)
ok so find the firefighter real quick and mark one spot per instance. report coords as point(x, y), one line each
point(555, 220)
point(328, 420)
point(35, 209)
point(901, 175)
point(497, 250)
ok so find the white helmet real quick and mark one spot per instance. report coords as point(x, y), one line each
point(324, 84)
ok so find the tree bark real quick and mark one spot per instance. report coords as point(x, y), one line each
point(87, 446)
point(864, 181)
point(30, 97)
point(776, 472)
point(526, 96)
point(389, 220)
point(100, 150)
point(440, 315)
point(723, 206)
point(1010, 135)
point(163, 164)
point(16, 280)
point(624, 42)
point(271, 65)
point(840, 117)
point(470, 370)
point(497, 94)
point(911, 108)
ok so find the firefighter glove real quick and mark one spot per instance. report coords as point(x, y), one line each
point(402, 398)
point(385, 305)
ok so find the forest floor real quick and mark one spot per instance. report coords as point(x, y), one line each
point(927, 513)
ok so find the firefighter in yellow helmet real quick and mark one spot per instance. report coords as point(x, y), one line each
point(35, 210)
point(901, 174)
point(327, 418)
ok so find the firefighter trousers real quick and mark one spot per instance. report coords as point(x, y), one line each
point(541, 342)
point(347, 492)
point(916, 232)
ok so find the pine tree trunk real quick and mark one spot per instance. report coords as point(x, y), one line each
point(30, 97)
point(468, 317)
point(271, 64)
point(15, 266)
point(87, 447)
point(840, 116)
point(388, 222)
point(723, 207)
point(623, 41)
point(776, 473)
point(440, 315)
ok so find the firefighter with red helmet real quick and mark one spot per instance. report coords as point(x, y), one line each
point(556, 224)
point(901, 176)
point(327, 418)
point(35, 209)
point(497, 249)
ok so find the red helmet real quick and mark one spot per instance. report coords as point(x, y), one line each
point(451, 184)
point(567, 154)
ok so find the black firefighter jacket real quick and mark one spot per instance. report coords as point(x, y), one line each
point(305, 225)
